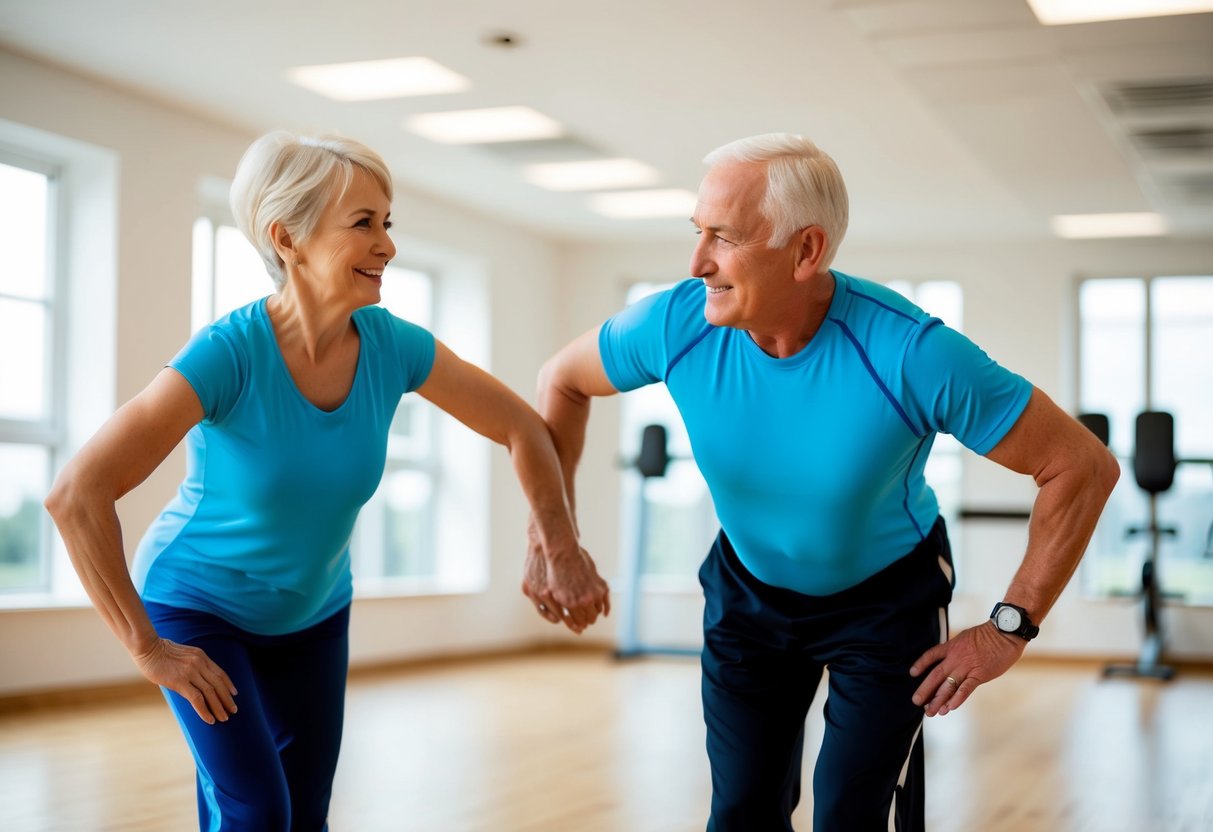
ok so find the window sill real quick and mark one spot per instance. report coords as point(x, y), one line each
point(378, 588)
point(38, 601)
point(670, 585)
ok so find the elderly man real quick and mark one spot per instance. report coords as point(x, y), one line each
point(812, 398)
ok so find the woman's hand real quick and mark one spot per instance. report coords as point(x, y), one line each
point(189, 672)
point(564, 587)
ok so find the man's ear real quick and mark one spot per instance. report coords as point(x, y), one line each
point(283, 244)
point(812, 242)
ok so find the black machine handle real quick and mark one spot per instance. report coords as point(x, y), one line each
point(654, 457)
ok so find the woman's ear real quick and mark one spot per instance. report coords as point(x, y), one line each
point(813, 242)
point(283, 244)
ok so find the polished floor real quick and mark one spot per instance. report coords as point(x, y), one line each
point(575, 741)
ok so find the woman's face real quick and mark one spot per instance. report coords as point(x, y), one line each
point(345, 256)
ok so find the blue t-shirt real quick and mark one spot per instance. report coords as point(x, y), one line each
point(258, 533)
point(815, 461)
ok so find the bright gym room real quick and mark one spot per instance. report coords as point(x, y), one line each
point(1036, 174)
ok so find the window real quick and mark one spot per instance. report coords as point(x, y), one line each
point(228, 272)
point(58, 229)
point(395, 534)
point(394, 541)
point(1144, 344)
point(29, 361)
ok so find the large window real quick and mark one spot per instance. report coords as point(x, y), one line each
point(395, 536)
point(394, 539)
point(1146, 343)
point(681, 518)
point(29, 380)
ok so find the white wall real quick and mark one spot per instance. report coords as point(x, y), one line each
point(162, 153)
point(1019, 305)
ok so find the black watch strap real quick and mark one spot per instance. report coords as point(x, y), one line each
point(1026, 629)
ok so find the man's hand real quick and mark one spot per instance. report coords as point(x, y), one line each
point(564, 587)
point(968, 659)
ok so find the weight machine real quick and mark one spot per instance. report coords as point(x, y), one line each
point(652, 462)
point(1154, 464)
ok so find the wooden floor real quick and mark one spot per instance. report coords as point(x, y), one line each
point(577, 742)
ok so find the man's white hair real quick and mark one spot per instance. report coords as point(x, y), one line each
point(804, 186)
point(290, 180)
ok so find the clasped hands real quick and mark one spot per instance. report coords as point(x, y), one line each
point(564, 586)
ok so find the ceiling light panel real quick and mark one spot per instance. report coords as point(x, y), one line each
point(371, 80)
point(1095, 226)
point(652, 204)
point(590, 175)
point(1061, 12)
point(494, 124)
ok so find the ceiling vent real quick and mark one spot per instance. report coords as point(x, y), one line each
point(1170, 126)
point(1190, 94)
point(1193, 139)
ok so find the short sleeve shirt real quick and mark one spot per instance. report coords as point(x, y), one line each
point(815, 461)
point(258, 533)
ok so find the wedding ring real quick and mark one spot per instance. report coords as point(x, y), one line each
point(952, 682)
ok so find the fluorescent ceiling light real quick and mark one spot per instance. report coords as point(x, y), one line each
point(495, 124)
point(1059, 12)
point(369, 80)
point(1091, 226)
point(591, 175)
point(627, 205)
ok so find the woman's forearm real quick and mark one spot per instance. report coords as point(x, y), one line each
point(538, 470)
point(93, 536)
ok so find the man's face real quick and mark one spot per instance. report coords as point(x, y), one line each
point(747, 282)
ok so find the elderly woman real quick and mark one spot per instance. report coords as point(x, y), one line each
point(240, 598)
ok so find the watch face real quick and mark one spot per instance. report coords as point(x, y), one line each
point(1008, 619)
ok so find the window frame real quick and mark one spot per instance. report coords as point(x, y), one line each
point(49, 431)
point(429, 463)
point(1100, 589)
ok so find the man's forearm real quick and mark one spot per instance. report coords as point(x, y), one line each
point(1064, 516)
point(567, 413)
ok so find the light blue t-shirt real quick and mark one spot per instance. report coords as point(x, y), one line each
point(258, 533)
point(815, 461)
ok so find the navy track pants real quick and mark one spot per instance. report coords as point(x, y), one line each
point(765, 650)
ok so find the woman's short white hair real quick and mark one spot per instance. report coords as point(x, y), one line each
point(290, 179)
point(804, 186)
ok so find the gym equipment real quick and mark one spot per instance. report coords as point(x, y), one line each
point(1097, 423)
point(652, 462)
point(1154, 466)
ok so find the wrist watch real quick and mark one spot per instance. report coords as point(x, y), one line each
point(1013, 620)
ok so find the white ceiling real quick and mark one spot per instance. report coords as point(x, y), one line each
point(949, 118)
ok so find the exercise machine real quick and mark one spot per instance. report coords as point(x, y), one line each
point(1154, 465)
point(652, 462)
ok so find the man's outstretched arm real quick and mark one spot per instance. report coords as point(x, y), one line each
point(567, 382)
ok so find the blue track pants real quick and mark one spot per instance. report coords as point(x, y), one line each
point(270, 766)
